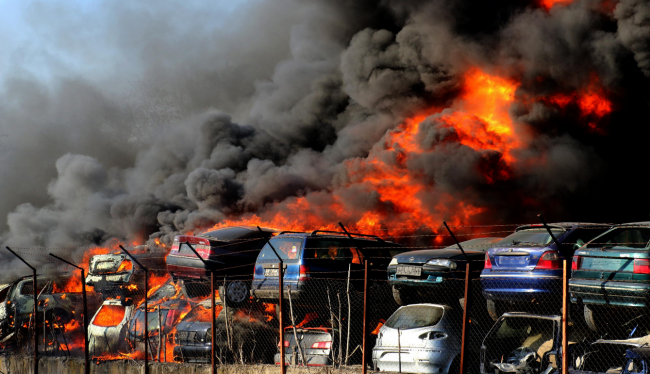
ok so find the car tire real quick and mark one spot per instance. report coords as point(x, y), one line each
point(401, 297)
point(595, 319)
point(235, 293)
point(494, 309)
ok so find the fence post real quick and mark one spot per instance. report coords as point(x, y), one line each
point(463, 338)
point(364, 351)
point(213, 327)
point(565, 317)
point(35, 310)
point(85, 306)
point(283, 369)
point(146, 311)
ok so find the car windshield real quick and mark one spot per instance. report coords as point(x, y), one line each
point(109, 315)
point(626, 237)
point(414, 316)
point(137, 322)
point(288, 248)
point(532, 237)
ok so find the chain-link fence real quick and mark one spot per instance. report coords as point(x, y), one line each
point(433, 320)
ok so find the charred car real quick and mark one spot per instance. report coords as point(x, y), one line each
point(314, 346)
point(116, 275)
point(107, 329)
point(419, 338)
point(59, 302)
point(612, 357)
point(522, 343)
point(242, 335)
point(230, 252)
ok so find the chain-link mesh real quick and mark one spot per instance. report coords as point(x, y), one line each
point(414, 320)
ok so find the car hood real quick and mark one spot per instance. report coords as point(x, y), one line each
point(422, 256)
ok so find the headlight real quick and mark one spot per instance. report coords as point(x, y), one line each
point(393, 262)
point(440, 262)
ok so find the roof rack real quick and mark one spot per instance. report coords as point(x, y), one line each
point(291, 232)
point(316, 232)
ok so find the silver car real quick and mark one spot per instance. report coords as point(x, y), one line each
point(419, 338)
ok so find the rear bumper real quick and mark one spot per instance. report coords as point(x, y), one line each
point(312, 360)
point(192, 268)
point(412, 360)
point(609, 293)
point(522, 287)
point(435, 285)
point(192, 353)
point(108, 280)
point(272, 295)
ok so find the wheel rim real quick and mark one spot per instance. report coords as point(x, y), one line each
point(237, 291)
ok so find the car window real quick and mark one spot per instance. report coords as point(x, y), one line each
point(288, 248)
point(414, 316)
point(27, 288)
point(529, 237)
point(578, 237)
point(329, 249)
point(525, 331)
point(3, 293)
point(626, 237)
point(109, 315)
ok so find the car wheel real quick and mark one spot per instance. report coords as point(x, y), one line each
point(595, 318)
point(401, 296)
point(494, 309)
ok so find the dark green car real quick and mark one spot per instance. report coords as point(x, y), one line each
point(611, 277)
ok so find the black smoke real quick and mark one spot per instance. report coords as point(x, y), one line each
point(192, 118)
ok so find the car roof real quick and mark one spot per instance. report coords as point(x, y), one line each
point(234, 232)
point(334, 234)
point(562, 225)
point(643, 224)
point(530, 315)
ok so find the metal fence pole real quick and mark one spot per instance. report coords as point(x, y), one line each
point(565, 317)
point(35, 309)
point(213, 327)
point(85, 316)
point(364, 346)
point(463, 338)
point(146, 310)
point(283, 368)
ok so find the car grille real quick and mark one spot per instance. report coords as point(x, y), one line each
point(187, 337)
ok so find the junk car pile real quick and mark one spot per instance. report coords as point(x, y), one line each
point(415, 313)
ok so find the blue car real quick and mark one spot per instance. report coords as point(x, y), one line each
point(525, 268)
point(313, 261)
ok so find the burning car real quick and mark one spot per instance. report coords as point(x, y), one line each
point(107, 329)
point(522, 343)
point(59, 302)
point(243, 334)
point(416, 276)
point(116, 275)
point(419, 338)
point(231, 251)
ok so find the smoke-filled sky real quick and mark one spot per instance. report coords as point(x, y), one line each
point(138, 120)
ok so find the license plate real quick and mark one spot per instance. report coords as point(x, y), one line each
point(271, 272)
point(409, 270)
point(513, 260)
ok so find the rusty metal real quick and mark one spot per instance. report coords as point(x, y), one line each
point(364, 346)
point(213, 362)
point(146, 310)
point(159, 334)
point(565, 317)
point(35, 309)
point(399, 349)
point(463, 338)
point(85, 315)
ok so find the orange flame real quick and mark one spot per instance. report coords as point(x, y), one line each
point(379, 325)
point(591, 100)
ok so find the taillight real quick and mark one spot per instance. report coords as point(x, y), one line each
point(575, 263)
point(488, 264)
point(549, 261)
point(125, 265)
point(286, 344)
point(304, 273)
point(322, 345)
point(642, 266)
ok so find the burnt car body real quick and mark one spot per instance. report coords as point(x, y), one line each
point(229, 251)
point(54, 305)
point(612, 357)
point(107, 329)
point(419, 276)
point(251, 339)
point(116, 275)
point(313, 347)
point(419, 338)
point(522, 343)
